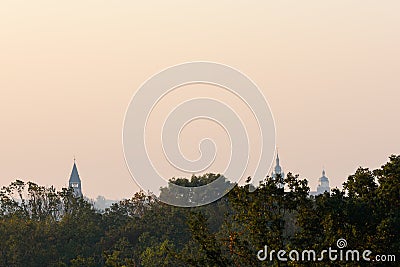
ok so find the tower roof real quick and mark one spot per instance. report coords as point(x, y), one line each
point(323, 178)
point(74, 178)
point(278, 168)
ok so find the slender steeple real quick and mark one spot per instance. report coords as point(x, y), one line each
point(75, 181)
point(278, 168)
point(278, 171)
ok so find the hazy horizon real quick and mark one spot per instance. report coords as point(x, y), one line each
point(329, 70)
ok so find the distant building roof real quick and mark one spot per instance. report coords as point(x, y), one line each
point(323, 178)
point(74, 178)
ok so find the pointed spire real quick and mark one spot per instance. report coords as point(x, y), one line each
point(278, 168)
point(74, 178)
point(278, 171)
point(277, 157)
point(75, 181)
point(323, 172)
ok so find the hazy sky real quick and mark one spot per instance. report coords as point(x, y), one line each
point(68, 69)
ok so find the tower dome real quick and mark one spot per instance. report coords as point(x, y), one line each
point(323, 184)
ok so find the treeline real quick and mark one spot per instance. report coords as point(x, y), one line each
point(40, 226)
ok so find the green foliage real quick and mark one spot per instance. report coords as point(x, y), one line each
point(40, 226)
point(160, 254)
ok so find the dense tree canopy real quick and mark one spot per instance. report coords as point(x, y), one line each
point(40, 226)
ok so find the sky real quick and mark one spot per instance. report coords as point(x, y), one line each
point(330, 71)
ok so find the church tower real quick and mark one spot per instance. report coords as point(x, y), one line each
point(75, 181)
point(323, 184)
point(278, 171)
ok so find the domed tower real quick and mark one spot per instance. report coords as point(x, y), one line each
point(75, 181)
point(323, 184)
